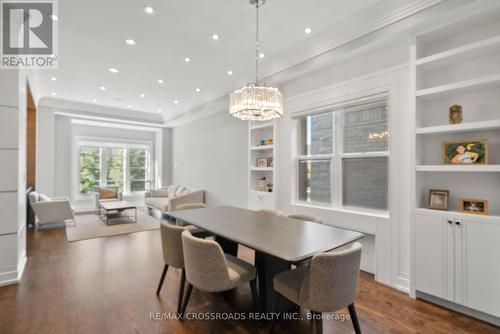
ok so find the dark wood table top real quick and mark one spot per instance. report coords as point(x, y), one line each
point(288, 239)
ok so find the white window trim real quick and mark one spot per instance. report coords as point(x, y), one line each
point(338, 155)
point(104, 142)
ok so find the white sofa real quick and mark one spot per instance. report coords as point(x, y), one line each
point(50, 210)
point(168, 198)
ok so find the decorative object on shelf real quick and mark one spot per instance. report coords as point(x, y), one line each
point(270, 161)
point(263, 142)
point(466, 152)
point(474, 206)
point(456, 114)
point(256, 102)
point(270, 141)
point(262, 162)
point(262, 185)
point(439, 199)
point(270, 187)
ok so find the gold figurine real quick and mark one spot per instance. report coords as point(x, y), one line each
point(455, 114)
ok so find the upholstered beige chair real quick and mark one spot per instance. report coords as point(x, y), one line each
point(171, 243)
point(209, 269)
point(188, 206)
point(271, 211)
point(50, 210)
point(329, 283)
point(308, 218)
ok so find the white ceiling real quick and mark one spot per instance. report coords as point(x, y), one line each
point(92, 38)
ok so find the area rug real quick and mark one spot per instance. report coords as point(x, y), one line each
point(90, 226)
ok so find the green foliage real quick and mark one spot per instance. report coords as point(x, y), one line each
point(89, 169)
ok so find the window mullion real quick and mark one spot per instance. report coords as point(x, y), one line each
point(337, 162)
point(126, 172)
point(104, 167)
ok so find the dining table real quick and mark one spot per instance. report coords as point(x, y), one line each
point(278, 241)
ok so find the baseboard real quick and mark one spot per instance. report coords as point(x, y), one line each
point(13, 274)
point(459, 308)
point(403, 282)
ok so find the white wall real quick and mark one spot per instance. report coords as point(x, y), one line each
point(12, 175)
point(212, 154)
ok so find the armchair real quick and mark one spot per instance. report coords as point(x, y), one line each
point(50, 210)
point(107, 194)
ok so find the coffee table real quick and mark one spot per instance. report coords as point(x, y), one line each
point(109, 210)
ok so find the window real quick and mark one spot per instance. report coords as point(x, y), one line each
point(118, 165)
point(348, 148)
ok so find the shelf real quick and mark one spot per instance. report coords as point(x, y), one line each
point(261, 169)
point(261, 148)
point(459, 168)
point(261, 126)
point(464, 127)
point(459, 54)
point(459, 215)
point(263, 193)
point(456, 88)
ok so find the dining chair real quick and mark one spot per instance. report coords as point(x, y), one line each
point(271, 211)
point(329, 283)
point(188, 206)
point(209, 269)
point(171, 244)
point(309, 218)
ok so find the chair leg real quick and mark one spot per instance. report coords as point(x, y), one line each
point(186, 300)
point(277, 301)
point(253, 287)
point(165, 268)
point(354, 318)
point(181, 290)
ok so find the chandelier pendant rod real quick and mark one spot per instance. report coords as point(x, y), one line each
point(257, 44)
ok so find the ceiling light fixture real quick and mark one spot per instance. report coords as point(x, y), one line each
point(54, 17)
point(175, 101)
point(215, 37)
point(159, 110)
point(130, 106)
point(187, 59)
point(94, 100)
point(307, 30)
point(261, 55)
point(143, 95)
point(160, 81)
point(130, 42)
point(53, 78)
point(229, 72)
point(113, 70)
point(197, 90)
point(149, 10)
point(102, 88)
point(256, 102)
point(53, 94)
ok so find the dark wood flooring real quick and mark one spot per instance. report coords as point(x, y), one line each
point(108, 286)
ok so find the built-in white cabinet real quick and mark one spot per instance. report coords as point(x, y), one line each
point(458, 259)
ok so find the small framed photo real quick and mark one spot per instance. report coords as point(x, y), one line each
point(466, 152)
point(474, 206)
point(270, 141)
point(261, 162)
point(263, 142)
point(439, 199)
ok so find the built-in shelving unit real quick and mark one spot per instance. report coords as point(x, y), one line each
point(457, 61)
point(262, 145)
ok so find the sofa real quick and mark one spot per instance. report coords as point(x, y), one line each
point(50, 210)
point(168, 198)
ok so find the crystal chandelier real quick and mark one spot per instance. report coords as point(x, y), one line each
point(255, 102)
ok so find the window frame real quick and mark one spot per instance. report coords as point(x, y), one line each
point(102, 144)
point(338, 155)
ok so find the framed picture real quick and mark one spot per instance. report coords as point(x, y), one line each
point(263, 142)
point(270, 141)
point(439, 199)
point(262, 162)
point(270, 162)
point(466, 152)
point(475, 206)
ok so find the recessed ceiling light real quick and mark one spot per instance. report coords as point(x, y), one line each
point(149, 10)
point(215, 37)
point(102, 88)
point(94, 100)
point(113, 70)
point(175, 101)
point(53, 78)
point(143, 95)
point(53, 94)
point(160, 81)
point(54, 17)
point(197, 90)
point(130, 106)
point(261, 55)
point(159, 110)
point(307, 30)
point(187, 59)
point(130, 42)
point(229, 72)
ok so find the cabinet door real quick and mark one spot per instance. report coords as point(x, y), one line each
point(431, 255)
point(481, 266)
point(257, 201)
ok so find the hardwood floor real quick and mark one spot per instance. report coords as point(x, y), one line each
point(108, 286)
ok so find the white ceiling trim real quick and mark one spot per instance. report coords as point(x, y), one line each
point(107, 119)
point(114, 124)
